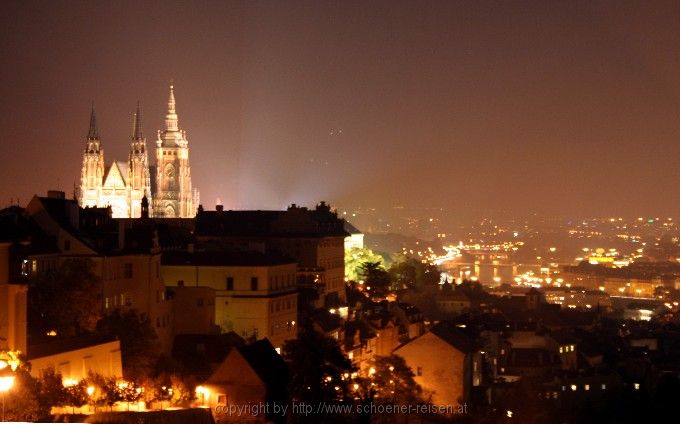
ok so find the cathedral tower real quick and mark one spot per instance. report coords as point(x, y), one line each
point(92, 173)
point(138, 178)
point(174, 197)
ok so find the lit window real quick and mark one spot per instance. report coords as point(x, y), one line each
point(604, 387)
point(587, 387)
point(637, 386)
point(561, 350)
point(574, 387)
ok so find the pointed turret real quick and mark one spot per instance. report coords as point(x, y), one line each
point(174, 195)
point(92, 172)
point(93, 133)
point(137, 124)
point(171, 117)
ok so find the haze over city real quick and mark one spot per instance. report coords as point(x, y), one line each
point(339, 211)
point(475, 107)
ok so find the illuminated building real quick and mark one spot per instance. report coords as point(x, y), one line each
point(75, 358)
point(13, 296)
point(314, 238)
point(255, 295)
point(355, 239)
point(122, 185)
point(128, 263)
point(250, 375)
point(174, 196)
point(445, 362)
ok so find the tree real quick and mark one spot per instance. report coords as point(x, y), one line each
point(376, 279)
point(76, 394)
point(130, 392)
point(66, 300)
point(138, 342)
point(52, 391)
point(183, 390)
point(411, 272)
point(394, 382)
point(431, 275)
point(355, 258)
point(21, 401)
point(403, 273)
point(107, 391)
point(319, 366)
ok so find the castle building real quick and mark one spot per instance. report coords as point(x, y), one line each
point(122, 186)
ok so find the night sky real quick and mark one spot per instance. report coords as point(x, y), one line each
point(479, 107)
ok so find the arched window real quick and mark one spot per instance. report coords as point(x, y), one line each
point(169, 177)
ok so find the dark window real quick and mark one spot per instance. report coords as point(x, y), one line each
point(420, 371)
point(222, 399)
point(67, 245)
point(199, 302)
point(253, 283)
point(230, 283)
point(127, 270)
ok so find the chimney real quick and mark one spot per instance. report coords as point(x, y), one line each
point(219, 208)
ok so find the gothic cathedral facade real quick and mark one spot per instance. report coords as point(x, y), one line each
point(122, 186)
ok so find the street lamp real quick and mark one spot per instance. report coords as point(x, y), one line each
point(90, 392)
point(6, 383)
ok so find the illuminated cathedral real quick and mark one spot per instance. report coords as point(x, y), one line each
point(128, 188)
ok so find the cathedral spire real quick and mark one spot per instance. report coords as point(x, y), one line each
point(171, 116)
point(93, 133)
point(137, 124)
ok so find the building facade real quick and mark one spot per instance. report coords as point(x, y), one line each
point(445, 363)
point(255, 295)
point(130, 275)
point(122, 185)
point(76, 359)
point(313, 238)
point(13, 313)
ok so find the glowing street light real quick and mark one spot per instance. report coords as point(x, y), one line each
point(6, 383)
